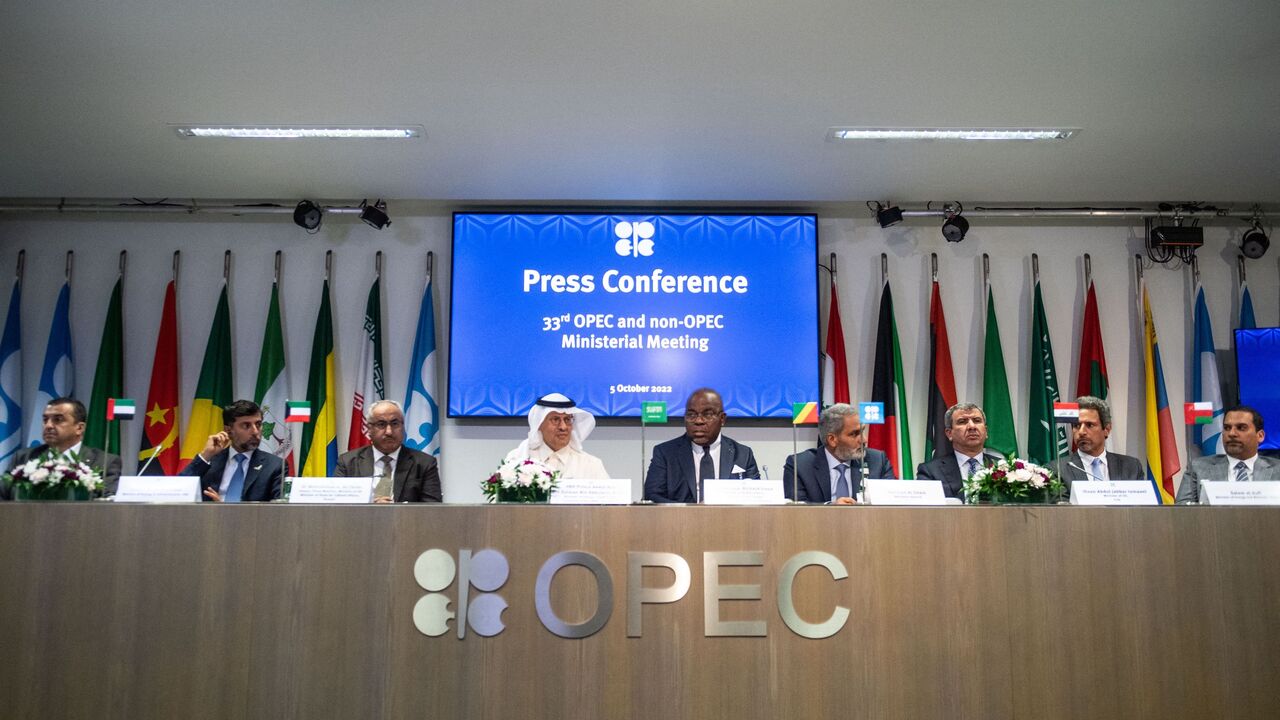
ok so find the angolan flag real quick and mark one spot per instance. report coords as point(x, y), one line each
point(160, 426)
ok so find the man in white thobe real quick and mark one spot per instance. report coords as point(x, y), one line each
point(557, 429)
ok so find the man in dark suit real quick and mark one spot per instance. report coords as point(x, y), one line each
point(966, 429)
point(833, 472)
point(679, 466)
point(404, 474)
point(63, 433)
point(1092, 460)
point(1241, 435)
point(231, 468)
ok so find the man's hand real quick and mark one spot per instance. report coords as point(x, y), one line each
point(383, 500)
point(845, 501)
point(212, 494)
point(216, 444)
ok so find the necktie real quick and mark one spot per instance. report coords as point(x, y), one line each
point(842, 485)
point(386, 484)
point(706, 471)
point(236, 488)
point(1242, 472)
point(1098, 471)
point(973, 467)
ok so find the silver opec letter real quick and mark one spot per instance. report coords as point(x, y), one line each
point(787, 608)
point(713, 592)
point(638, 595)
point(604, 594)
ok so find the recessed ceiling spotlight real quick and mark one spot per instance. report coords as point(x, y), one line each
point(883, 133)
point(296, 132)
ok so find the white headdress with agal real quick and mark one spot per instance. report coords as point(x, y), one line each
point(583, 422)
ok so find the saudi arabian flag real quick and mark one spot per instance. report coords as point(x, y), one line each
point(213, 390)
point(108, 380)
point(1046, 439)
point(272, 388)
point(320, 436)
point(996, 402)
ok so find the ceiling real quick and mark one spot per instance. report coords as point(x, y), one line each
point(655, 100)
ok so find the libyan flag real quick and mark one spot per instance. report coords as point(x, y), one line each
point(893, 437)
point(942, 379)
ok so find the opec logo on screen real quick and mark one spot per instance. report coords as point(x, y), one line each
point(635, 239)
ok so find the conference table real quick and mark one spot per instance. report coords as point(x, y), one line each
point(511, 611)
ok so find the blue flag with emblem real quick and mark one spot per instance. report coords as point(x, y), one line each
point(57, 378)
point(11, 378)
point(421, 411)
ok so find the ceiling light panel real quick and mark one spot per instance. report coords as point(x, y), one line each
point(863, 133)
point(295, 132)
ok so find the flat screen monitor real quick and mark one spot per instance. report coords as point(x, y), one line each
point(614, 309)
point(1257, 358)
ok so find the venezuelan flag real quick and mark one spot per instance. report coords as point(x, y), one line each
point(320, 436)
point(1162, 451)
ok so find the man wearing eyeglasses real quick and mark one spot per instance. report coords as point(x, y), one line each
point(679, 466)
point(403, 474)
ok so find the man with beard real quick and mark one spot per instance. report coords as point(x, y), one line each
point(1092, 460)
point(231, 468)
point(1241, 435)
point(966, 429)
point(833, 472)
point(557, 430)
point(679, 466)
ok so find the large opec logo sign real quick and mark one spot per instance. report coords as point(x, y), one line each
point(477, 577)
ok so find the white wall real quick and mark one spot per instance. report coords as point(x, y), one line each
point(472, 448)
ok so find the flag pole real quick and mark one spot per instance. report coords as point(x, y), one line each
point(884, 268)
point(933, 264)
point(70, 258)
point(275, 273)
point(986, 272)
point(22, 266)
point(328, 265)
point(1088, 272)
point(431, 261)
point(226, 266)
point(176, 255)
point(1239, 267)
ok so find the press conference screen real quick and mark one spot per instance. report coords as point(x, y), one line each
point(1257, 356)
point(617, 309)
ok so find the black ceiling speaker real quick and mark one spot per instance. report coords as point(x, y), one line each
point(1254, 243)
point(375, 215)
point(307, 215)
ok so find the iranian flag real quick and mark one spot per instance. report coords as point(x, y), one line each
point(272, 386)
point(369, 384)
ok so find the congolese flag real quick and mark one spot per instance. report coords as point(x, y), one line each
point(1162, 451)
point(320, 436)
point(213, 390)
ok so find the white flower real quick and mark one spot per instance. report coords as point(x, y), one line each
point(38, 476)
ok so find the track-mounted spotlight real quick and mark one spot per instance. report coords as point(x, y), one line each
point(307, 215)
point(375, 215)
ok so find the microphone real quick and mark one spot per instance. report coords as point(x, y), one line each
point(143, 470)
point(764, 470)
point(1086, 472)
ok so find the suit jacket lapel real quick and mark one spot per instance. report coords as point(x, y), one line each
point(688, 471)
point(252, 466)
point(823, 475)
point(728, 452)
point(401, 474)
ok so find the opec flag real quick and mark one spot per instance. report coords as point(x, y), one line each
point(57, 378)
point(421, 411)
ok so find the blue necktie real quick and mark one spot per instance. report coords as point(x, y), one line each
point(1242, 472)
point(236, 488)
point(1097, 470)
point(973, 467)
point(842, 485)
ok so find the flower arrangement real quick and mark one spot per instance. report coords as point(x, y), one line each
point(518, 480)
point(1012, 480)
point(54, 477)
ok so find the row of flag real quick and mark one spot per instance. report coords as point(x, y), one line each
point(1047, 439)
point(162, 449)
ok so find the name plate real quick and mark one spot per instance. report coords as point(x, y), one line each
point(743, 492)
point(1240, 493)
point(1114, 492)
point(332, 490)
point(158, 489)
point(904, 492)
point(592, 491)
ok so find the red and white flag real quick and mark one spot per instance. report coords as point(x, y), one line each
point(369, 384)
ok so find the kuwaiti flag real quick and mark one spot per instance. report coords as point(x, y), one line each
point(1205, 387)
point(297, 411)
point(57, 376)
point(272, 386)
point(369, 382)
point(835, 366)
point(11, 378)
point(1162, 449)
point(893, 436)
point(421, 411)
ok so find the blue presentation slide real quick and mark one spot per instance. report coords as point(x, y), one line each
point(616, 309)
point(1257, 355)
